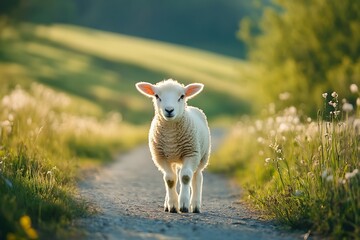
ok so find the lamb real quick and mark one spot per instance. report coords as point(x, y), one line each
point(179, 138)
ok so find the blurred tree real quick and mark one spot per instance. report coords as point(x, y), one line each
point(205, 24)
point(306, 47)
point(43, 11)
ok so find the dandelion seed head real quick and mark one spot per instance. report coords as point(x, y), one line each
point(260, 140)
point(347, 107)
point(354, 88)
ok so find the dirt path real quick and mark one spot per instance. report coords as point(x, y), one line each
point(129, 195)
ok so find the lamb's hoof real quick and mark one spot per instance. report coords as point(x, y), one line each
point(196, 210)
point(166, 209)
point(184, 210)
point(173, 210)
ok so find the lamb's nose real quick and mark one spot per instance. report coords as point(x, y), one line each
point(169, 110)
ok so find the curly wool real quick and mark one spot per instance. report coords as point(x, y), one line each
point(173, 141)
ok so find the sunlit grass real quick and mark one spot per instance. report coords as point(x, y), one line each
point(175, 60)
point(43, 141)
point(304, 172)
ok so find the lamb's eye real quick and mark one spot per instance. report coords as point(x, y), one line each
point(181, 97)
point(157, 97)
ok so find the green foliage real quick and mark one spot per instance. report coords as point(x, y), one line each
point(305, 173)
point(306, 48)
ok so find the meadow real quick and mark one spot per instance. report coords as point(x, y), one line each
point(303, 172)
point(68, 105)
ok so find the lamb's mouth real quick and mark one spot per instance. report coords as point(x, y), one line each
point(169, 116)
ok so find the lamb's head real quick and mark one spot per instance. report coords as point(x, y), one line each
point(169, 97)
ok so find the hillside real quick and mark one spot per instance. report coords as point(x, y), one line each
point(103, 68)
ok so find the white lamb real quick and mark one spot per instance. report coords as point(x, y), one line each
point(179, 137)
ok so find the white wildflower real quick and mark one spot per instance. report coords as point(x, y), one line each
point(329, 178)
point(267, 160)
point(333, 104)
point(354, 88)
point(284, 96)
point(347, 107)
point(356, 125)
point(352, 174)
point(324, 95)
point(260, 140)
point(284, 127)
point(11, 117)
point(324, 174)
point(334, 94)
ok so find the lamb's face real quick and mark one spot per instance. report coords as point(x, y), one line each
point(169, 97)
point(170, 101)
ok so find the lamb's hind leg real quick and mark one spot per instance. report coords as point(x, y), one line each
point(171, 198)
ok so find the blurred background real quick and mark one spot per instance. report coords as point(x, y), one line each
point(67, 86)
point(249, 54)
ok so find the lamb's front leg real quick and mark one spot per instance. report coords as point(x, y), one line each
point(171, 198)
point(186, 175)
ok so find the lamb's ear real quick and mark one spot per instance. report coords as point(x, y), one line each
point(193, 89)
point(146, 88)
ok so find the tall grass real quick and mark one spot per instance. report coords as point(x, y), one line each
point(43, 141)
point(303, 172)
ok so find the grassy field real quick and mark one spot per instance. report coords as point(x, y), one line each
point(103, 68)
point(301, 171)
point(68, 103)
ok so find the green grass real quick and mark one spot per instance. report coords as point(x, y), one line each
point(300, 171)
